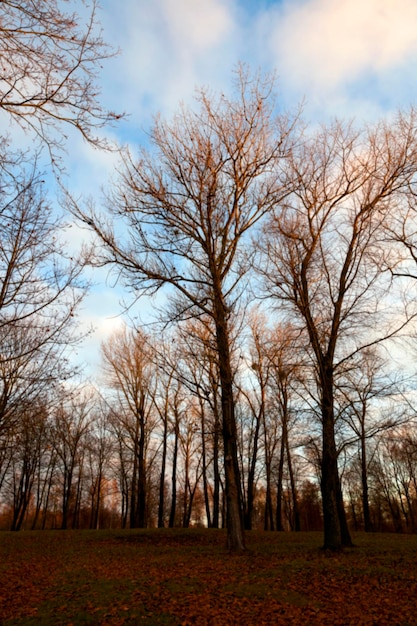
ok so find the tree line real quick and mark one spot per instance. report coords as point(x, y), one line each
point(146, 451)
point(255, 405)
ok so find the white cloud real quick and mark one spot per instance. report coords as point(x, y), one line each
point(100, 316)
point(195, 27)
point(327, 43)
point(167, 49)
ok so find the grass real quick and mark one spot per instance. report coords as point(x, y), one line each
point(175, 576)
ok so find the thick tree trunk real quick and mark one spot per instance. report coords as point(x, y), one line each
point(234, 512)
point(336, 532)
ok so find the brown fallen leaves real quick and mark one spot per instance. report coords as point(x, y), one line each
point(187, 577)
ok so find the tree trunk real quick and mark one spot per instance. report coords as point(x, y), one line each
point(365, 490)
point(279, 485)
point(234, 512)
point(141, 512)
point(336, 532)
point(251, 477)
point(66, 497)
point(133, 485)
point(204, 459)
point(50, 477)
point(77, 503)
point(161, 503)
point(22, 499)
point(268, 514)
point(216, 468)
point(171, 522)
point(268, 511)
point(294, 495)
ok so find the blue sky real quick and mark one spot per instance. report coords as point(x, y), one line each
point(345, 58)
point(327, 51)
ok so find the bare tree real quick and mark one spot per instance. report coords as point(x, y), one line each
point(129, 368)
point(370, 404)
point(100, 448)
point(50, 60)
point(253, 390)
point(30, 443)
point(284, 350)
point(394, 478)
point(197, 368)
point(324, 260)
point(71, 425)
point(40, 290)
point(180, 217)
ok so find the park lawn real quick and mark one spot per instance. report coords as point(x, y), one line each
point(175, 576)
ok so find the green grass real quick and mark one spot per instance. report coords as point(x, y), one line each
point(175, 576)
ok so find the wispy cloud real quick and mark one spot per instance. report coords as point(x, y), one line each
point(167, 49)
point(329, 48)
point(342, 55)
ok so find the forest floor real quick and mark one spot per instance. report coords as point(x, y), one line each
point(184, 577)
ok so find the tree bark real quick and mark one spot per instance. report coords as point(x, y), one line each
point(171, 522)
point(336, 532)
point(141, 514)
point(234, 512)
point(279, 485)
point(216, 465)
point(251, 478)
point(161, 503)
point(365, 490)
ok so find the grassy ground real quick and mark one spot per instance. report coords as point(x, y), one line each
point(187, 577)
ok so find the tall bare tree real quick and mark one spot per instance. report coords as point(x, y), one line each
point(180, 217)
point(325, 259)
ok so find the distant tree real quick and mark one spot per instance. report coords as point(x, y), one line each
point(284, 352)
point(325, 256)
point(100, 446)
point(130, 371)
point(191, 453)
point(71, 423)
point(198, 369)
point(167, 399)
point(180, 217)
point(253, 392)
point(30, 443)
point(395, 476)
point(370, 405)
